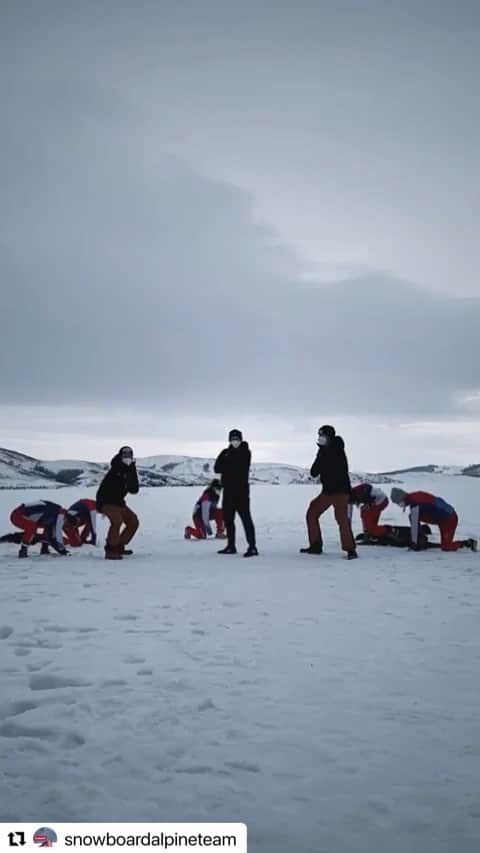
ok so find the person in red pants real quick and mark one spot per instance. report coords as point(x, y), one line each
point(429, 509)
point(205, 511)
point(372, 501)
point(46, 516)
point(83, 529)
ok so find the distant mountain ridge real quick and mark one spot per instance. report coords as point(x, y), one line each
point(19, 471)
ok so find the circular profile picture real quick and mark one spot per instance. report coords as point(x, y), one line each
point(45, 837)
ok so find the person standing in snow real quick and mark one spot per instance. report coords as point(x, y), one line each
point(372, 501)
point(233, 463)
point(46, 516)
point(82, 514)
point(331, 465)
point(427, 508)
point(118, 482)
point(205, 511)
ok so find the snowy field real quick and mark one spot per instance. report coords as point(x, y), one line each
point(333, 706)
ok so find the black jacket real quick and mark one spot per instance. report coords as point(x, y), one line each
point(332, 466)
point(117, 483)
point(234, 466)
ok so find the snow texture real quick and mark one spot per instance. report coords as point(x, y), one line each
point(331, 705)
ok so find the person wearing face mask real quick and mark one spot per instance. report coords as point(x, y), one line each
point(233, 463)
point(119, 481)
point(331, 465)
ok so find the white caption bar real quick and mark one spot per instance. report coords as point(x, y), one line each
point(80, 837)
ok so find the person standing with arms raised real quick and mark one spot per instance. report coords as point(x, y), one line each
point(233, 464)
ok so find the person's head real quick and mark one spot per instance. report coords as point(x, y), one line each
point(126, 455)
point(326, 434)
point(398, 496)
point(216, 486)
point(235, 438)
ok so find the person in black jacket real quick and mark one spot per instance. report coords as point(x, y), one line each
point(233, 464)
point(331, 466)
point(119, 481)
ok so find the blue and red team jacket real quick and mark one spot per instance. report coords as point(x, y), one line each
point(85, 511)
point(206, 504)
point(47, 515)
point(426, 508)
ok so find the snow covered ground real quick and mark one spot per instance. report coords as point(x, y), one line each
point(332, 706)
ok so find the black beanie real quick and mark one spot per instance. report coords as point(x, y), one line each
point(235, 433)
point(327, 430)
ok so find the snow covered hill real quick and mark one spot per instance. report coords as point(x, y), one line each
point(18, 471)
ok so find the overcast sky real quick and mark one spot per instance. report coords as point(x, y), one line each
point(256, 214)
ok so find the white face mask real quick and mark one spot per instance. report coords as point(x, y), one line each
point(235, 443)
point(322, 440)
point(127, 460)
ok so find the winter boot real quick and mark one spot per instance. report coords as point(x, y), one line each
point(230, 549)
point(186, 534)
point(124, 551)
point(220, 535)
point(316, 548)
point(112, 552)
point(23, 551)
point(251, 552)
point(472, 544)
point(352, 555)
point(45, 549)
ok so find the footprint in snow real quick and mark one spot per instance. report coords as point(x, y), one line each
point(5, 631)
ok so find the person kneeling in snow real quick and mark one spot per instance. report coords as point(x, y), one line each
point(118, 482)
point(372, 501)
point(425, 507)
point(205, 511)
point(82, 514)
point(45, 516)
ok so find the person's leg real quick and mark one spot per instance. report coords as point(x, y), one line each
point(340, 505)
point(197, 530)
point(131, 522)
point(115, 517)
point(447, 532)
point(217, 517)
point(315, 510)
point(370, 516)
point(246, 518)
point(26, 525)
point(229, 517)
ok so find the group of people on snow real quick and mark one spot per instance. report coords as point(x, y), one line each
point(55, 527)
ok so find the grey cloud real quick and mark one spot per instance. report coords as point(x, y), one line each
point(128, 274)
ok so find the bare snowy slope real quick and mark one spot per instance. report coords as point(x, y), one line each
point(18, 471)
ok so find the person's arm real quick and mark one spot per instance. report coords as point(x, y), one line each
point(414, 526)
point(206, 516)
point(220, 462)
point(57, 533)
point(316, 468)
point(93, 526)
point(132, 479)
point(244, 459)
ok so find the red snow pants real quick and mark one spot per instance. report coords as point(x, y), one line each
point(370, 516)
point(26, 525)
point(197, 531)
